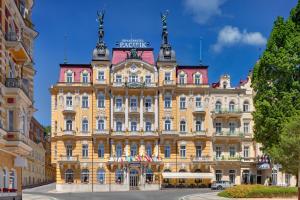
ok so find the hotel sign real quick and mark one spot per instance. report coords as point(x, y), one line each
point(133, 43)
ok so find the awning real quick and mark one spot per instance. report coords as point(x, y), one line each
point(186, 175)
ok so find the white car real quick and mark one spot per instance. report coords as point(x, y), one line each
point(220, 185)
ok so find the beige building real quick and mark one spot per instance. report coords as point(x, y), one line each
point(131, 122)
point(16, 92)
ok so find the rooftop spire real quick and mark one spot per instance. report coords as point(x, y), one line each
point(164, 34)
point(101, 52)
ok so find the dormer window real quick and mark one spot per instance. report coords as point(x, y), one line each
point(85, 77)
point(197, 79)
point(69, 77)
point(101, 75)
point(181, 79)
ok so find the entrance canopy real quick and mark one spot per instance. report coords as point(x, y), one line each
point(188, 175)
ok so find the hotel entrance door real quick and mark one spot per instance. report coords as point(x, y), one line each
point(133, 179)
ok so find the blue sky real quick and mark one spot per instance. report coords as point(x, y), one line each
point(234, 33)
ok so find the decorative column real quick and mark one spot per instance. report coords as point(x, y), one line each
point(111, 111)
point(156, 112)
point(113, 149)
point(141, 111)
point(126, 147)
point(126, 110)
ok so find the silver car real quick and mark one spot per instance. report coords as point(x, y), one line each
point(220, 185)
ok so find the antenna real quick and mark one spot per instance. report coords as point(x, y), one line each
point(200, 50)
point(65, 49)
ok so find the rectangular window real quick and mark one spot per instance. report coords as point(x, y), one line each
point(69, 150)
point(101, 151)
point(198, 102)
point(182, 102)
point(85, 101)
point(198, 151)
point(232, 176)
point(101, 75)
point(218, 175)
point(167, 102)
point(148, 126)
point(69, 102)
point(246, 151)
point(197, 79)
point(69, 78)
point(100, 101)
point(218, 152)
point(11, 120)
point(232, 151)
point(119, 103)
point(218, 127)
point(246, 127)
point(167, 151)
point(133, 78)
point(231, 127)
point(133, 126)
point(133, 103)
point(148, 104)
point(84, 78)
point(118, 78)
point(85, 150)
point(181, 79)
point(182, 151)
point(167, 76)
point(147, 79)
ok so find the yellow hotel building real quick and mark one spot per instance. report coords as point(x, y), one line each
point(130, 122)
point(17, 35)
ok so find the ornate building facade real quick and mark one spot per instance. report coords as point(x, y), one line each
point(16, 92)
point(131, 122)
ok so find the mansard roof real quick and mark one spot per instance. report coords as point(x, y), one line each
point(120, 54)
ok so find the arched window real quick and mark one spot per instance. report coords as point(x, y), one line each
point(100, 124)
point(182, 126)
point(85, 125)
point(119, 150)
point(133, 150)
point(246, 106)
point(197, 79)
point(218, 106)
point(149, 150)
point(12, 180)
point(119, 126)
point(149, 175)
point(69, 125)
point(167, 125)
point(69, 77)
point(69, 176)
point(101, 176)
point(85, 176)
point(198, 125)
point(231, 106)
point(133, 126)
point(85, 77)
point(148, 126)
point(224, 84)
point(119, 176)
point(101, 101)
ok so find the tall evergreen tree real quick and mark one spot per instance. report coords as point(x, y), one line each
point(276, 81)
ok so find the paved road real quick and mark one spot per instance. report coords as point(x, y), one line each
point(47, 193)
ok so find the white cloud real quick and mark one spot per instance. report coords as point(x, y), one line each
point(203, 10)
point(229, 36)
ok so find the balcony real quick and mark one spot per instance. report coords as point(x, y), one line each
point(69, 133)
point(100, 81)
point(118, 133)
point(68, 159)
point(118, 84)
point(69, 110)
point(201, 159)
point(192, 85)
point(229, 134)
point(150, 84)
point(150, 133)
point(134, 133)
point(14, 42)
point(17, 143)
point(199, 110)
point(149, 110)
point(22, 84)
point(169, 132)
point(236, 158)
point(200, 133)
point(134, 109)
point(169, 83)
point(226, 113)
point(119, 109)
point(101, 132)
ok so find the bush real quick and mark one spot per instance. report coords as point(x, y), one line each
point(258, 191)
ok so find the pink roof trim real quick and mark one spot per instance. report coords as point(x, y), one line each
point(121, 55)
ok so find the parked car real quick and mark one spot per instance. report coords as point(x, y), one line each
point(220, 185)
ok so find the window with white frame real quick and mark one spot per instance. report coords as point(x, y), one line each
point(148, 126)
point(167, 151)
point(69, 101)
point(182, 126)
point(198, 125)
point(69, 77)
point(149, 150)
point(133, 126)
point(133, 149)
point(218, 152)
point(85, 102)
point(218, 127)
point(232, 151)
point(168, 125)
point(167, 76)
point(85, 176)
point(101, 75)
point(69, 150)
point(182, 151)
point(246, 151)
point(118, 126)
point(119, 150)
point(119, 78)
point(218, 175)
point(101, 101)
point(69, 126)
point(101, 150)
point(218, 106)
point(119, 102)
point(198, 102)
point(85, 125)
point(101, 176)
point(168, 101)
point(133, 78)
point(182, 103)
point(198, 151)
point(148, 104)
point(133, 103)
point(231, 127)
point(148, 79)
point(85, 151)
point(119, 176)
point(182, 79)
point(231, 106)
point(246, 106)
point(85, 77)
point(197, 79)
point(246, 127)
point(100, 124)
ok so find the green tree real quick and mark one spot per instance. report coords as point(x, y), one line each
point(276, 82)
point(47, 130)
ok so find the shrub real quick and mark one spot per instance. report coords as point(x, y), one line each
point(258, 191)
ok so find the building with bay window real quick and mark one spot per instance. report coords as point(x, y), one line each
point(131, 121)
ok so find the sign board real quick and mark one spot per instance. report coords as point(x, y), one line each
point(133, 43)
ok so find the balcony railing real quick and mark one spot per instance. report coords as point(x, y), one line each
point(169, 82)
point(119, 109)
point(148, 109)
point(201, 158)
point(229, 133)
point(101, 81)
point(101, 132)
point(150, 84)
point(200, 133)
point(68, 132)
point(68, 109)
point(169, 132)
point(68, 158)
point(227, 111)
point(23, 84)
point(228, 158)
point(121, 133)
point(199, 109)
point(133, 109)
point(150, 133)
point(119, 84)
point(15, 39)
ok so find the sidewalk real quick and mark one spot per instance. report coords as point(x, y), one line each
point(36, 197)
